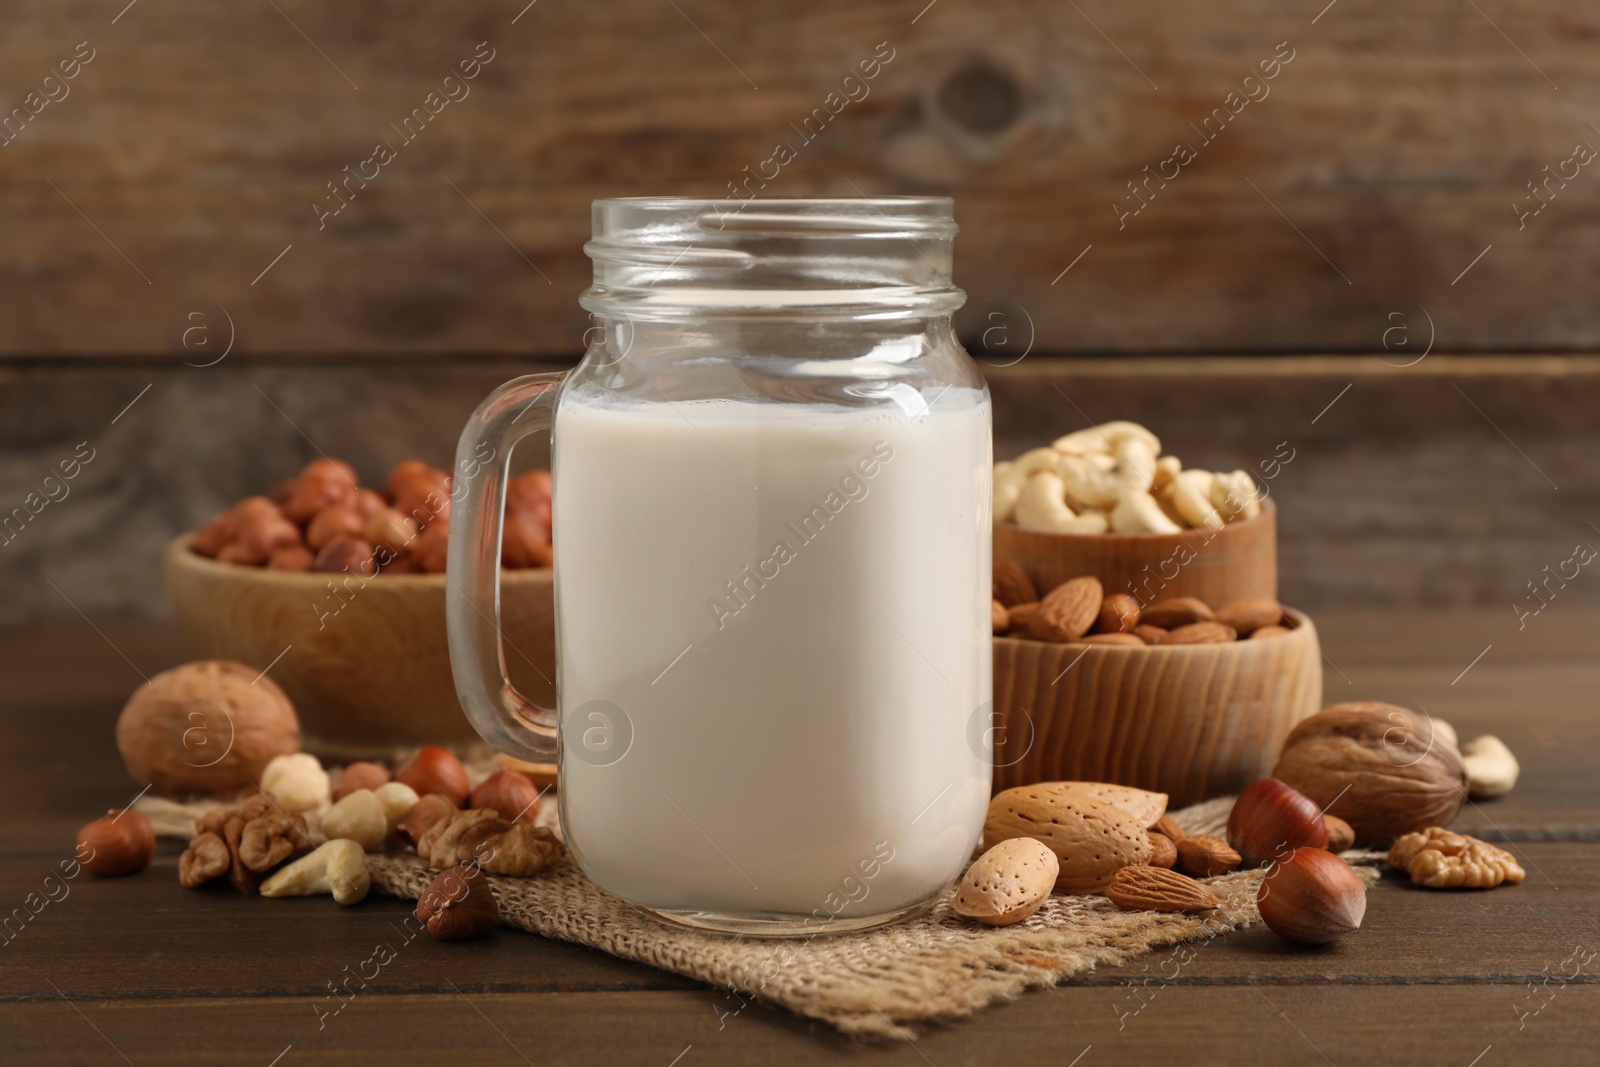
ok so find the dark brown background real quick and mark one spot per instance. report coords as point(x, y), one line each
point(1346, 204)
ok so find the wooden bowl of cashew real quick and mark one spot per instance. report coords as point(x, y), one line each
point(366, 661)
point(1218, 566)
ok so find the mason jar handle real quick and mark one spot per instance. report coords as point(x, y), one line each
point(504, 717)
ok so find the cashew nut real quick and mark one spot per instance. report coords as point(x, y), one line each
point(359, 817)
point(1099, 485)
point(1235, 495)
point(1491, 768)
point(1008, 479)
point(1107, 437)
point(338, 867)
point(1035, 459)
point(1138, 512)
point(1167, 468)
point(1191, 496)
point(1443, 731)
point(297, 781)
point(1043, 506)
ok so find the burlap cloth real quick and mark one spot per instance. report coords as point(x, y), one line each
point(877, 984)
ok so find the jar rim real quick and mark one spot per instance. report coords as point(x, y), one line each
point(673, 254)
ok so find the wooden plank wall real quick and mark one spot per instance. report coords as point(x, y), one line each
point(1450, 482)
point(1385, 154)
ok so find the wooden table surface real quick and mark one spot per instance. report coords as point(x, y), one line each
point(140, 971)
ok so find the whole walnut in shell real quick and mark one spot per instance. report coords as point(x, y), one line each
point(206, 727)
point(1377, 766)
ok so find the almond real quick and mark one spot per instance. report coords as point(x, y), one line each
point(1205, 856)
point(1119, 614)
point(1163, 852)
point(1201, 633)
point(1068, 611)
point(1091, 839)
point(1154, 889)
point(1007, 883)
point(1150, 635)
point(1176, 611)
point(1142, 804)
point(1011, 585)
point(1169, 829)
point(999, 617)
point(1126, 640)
point(1250, 613)
point(1021, 616)
point(1261, 633)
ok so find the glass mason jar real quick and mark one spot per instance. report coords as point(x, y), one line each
point(771, 537)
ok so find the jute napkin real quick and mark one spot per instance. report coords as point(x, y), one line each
point(881, 983)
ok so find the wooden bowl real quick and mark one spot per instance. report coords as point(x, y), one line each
point(1239, 560)
point(1191, 721)
point(367, 663)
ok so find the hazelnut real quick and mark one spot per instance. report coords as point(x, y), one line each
point(291, 558)
point(359, 775)
point(389, 528)
point(420, 491)
point(237, 554)
point(207, 727)
point(366, 502)
point(297, 781)
point(431, 549)
point(347, 555)
point(422, 816)
point(509, 793)
point(263, 534)
point(436, 770)
point(322, 482)
point(1270, 820)
point(1311, 897)
point(332, 523)
point(458, 904)
point(402, 564)
point(120, 842)
point(1379, 767)
point(210, 538)
point(525, 540)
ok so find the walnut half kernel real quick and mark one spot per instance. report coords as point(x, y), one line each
point(1439, 859)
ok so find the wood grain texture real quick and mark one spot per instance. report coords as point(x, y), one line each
point(1191, 721)
point(366, 662)
point(1374, 167)
point(1422, 486)
point(1240, 560)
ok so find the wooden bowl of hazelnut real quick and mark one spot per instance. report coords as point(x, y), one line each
point(338, 592)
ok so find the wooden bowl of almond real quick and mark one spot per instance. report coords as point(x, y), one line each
point(1138, 638)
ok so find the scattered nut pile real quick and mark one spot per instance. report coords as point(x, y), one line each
point(298, 831)
point(322, 520)
point(1397, 786)
point(1078, 612)
point(1113, 478)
